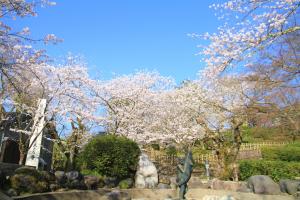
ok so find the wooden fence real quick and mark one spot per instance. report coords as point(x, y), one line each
point(258, 146)
point(247, 151)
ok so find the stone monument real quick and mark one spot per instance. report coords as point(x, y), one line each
point(35, 144)
point(146, 175)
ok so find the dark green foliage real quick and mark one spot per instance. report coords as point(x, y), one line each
point(288, 153)
point(275, 169)
point(125, 184)
point(111, 156)
point(59, 160)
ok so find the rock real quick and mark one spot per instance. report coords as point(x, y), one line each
point(25, 170)
point(289, 186)
point(117, 195)
point(47, 176)
point(163, 186)
point(146, 175)
point(261, 184)
point(125, 184)
point(71, 180)
point(91, 182)
point(54, 187)
point(60, 177)
point(196, 182)
point(73, 175)
point(75, 184)
point(111, 182)
point(11, 192)
point(28, 184)
point(217, 184)
point(243, 188)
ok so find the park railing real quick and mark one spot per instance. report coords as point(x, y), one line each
point(247, 151)
point(258, 146)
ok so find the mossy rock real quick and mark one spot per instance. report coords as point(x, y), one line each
point(28, 171)
point(125, 184)
point(27, 181)
point(47, 176)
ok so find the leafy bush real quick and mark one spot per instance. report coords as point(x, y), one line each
point(124, 184)
point(275, 169)
point(287, 153)
point(59, 160)
point(111, 156)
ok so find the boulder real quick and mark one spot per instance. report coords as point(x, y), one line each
point(60, 177)
point(11, 192)
point(91, 182)
point(261, 184)
point(73, 175)
point(196, 182)
point(244, 188)
point(289, 186)
point(47, 176)
point(117, 195)
point(146, 175)
point(28, 184)
point(75, 184)
point(28, 171)
point(163, 186)
point(110, 182)
point(217, 184)
point(54, 187)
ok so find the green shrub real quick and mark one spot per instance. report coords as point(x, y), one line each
point(275, 169)
point(59, 160)
point(287, 153)
point(110, 155)
point(124, 184)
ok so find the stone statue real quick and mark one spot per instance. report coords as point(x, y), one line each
point(185, 169)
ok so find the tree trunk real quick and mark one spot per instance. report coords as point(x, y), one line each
point(22, 159)
point(237, 141)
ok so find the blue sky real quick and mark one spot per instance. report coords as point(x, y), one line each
point(121, 36)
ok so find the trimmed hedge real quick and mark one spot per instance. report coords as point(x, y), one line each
point(111, 156)
point(287, 153)
point(275, 169)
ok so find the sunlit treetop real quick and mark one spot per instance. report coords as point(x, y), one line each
point(248, 26)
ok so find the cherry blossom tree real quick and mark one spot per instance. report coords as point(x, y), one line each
point(126, 101)
point(249, 26)
point(218, 107)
